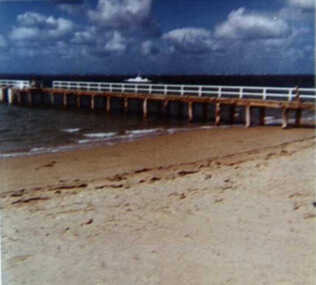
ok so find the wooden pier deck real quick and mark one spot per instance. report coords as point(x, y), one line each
point(249, 98)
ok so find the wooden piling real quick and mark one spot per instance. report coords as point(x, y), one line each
point(205, 111)
point(164, 106)
point(65, 100)
point(92, 104)
point(52, 99)
point(262, 114)
point(285, 118)
point(108, 104)
point(125, 107)
point(232, 110)
point(145, 113)
point(19, 98)
point(78, 101)
point(247, 116)
point(217, 114)
point(298, 117)
point(11, 96)
point(29, 98)
point(2, 95)
point(190, 111)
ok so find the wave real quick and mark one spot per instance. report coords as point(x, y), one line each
point(144, 131)
point(100, 135)
point(74, 130)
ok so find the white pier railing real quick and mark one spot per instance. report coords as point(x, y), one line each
point(264, 93)
point(15, 83)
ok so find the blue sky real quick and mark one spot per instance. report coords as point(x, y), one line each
point(157, 36)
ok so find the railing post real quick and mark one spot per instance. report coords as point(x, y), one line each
point(290, 94)
point(136, 88)
point(150, 89)
point(264, 94)
point(240, 93)
point(123, 88)
point(200, 91)
point(181, 90)
point(165, 89)
point(219, 92)
point(110, 87)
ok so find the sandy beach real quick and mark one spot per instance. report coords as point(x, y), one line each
point(217, 206)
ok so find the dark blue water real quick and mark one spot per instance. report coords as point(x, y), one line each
point(25, 130)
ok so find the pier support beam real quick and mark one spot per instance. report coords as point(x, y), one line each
point(145, 110)
point(52, 99)
point(247, 116)
point(298, 117)
point(11, 96)
point(65, 100)
point(19, 98)
point(232, 110)
point(217, 114)
point(30, 99)
point(205, 111)
point(2, 95)
point(285, 118)
point(78, 101)
point(164, 106)
point(125, 105)
point(108, 104)
point(190, 111)
point(92, 105)
point(262, 114)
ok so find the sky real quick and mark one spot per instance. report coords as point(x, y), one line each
point(157, 36)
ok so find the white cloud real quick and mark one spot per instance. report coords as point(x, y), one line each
point(73, 9)
point(116, 44)
point(3, 42)
point(86, 36)
point(36, 26)
point(190, 40)
point(244, 25)
point(121, 13)
point(148, 48)
point(303, 4)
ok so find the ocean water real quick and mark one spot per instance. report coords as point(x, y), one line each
point(29, 131)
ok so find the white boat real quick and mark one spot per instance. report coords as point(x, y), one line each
point(138, 79)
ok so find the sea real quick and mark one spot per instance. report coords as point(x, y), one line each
point(36, 130)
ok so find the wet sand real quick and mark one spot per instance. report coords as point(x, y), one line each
point(218, 206)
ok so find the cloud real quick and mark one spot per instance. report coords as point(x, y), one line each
point(308, 5)
point(148, 48)
point(3, 42)
point(190, 40)
point(87, 36)
point(121, 14)
point(36, 26)
point(244, 25)
point(74, 9)
point(116, 44)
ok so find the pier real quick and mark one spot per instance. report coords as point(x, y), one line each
point(253, 100)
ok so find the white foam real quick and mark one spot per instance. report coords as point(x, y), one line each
point(144, 131)
point(176, 130)
point(74, 130)
point(100, 135)
point(85, 141)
